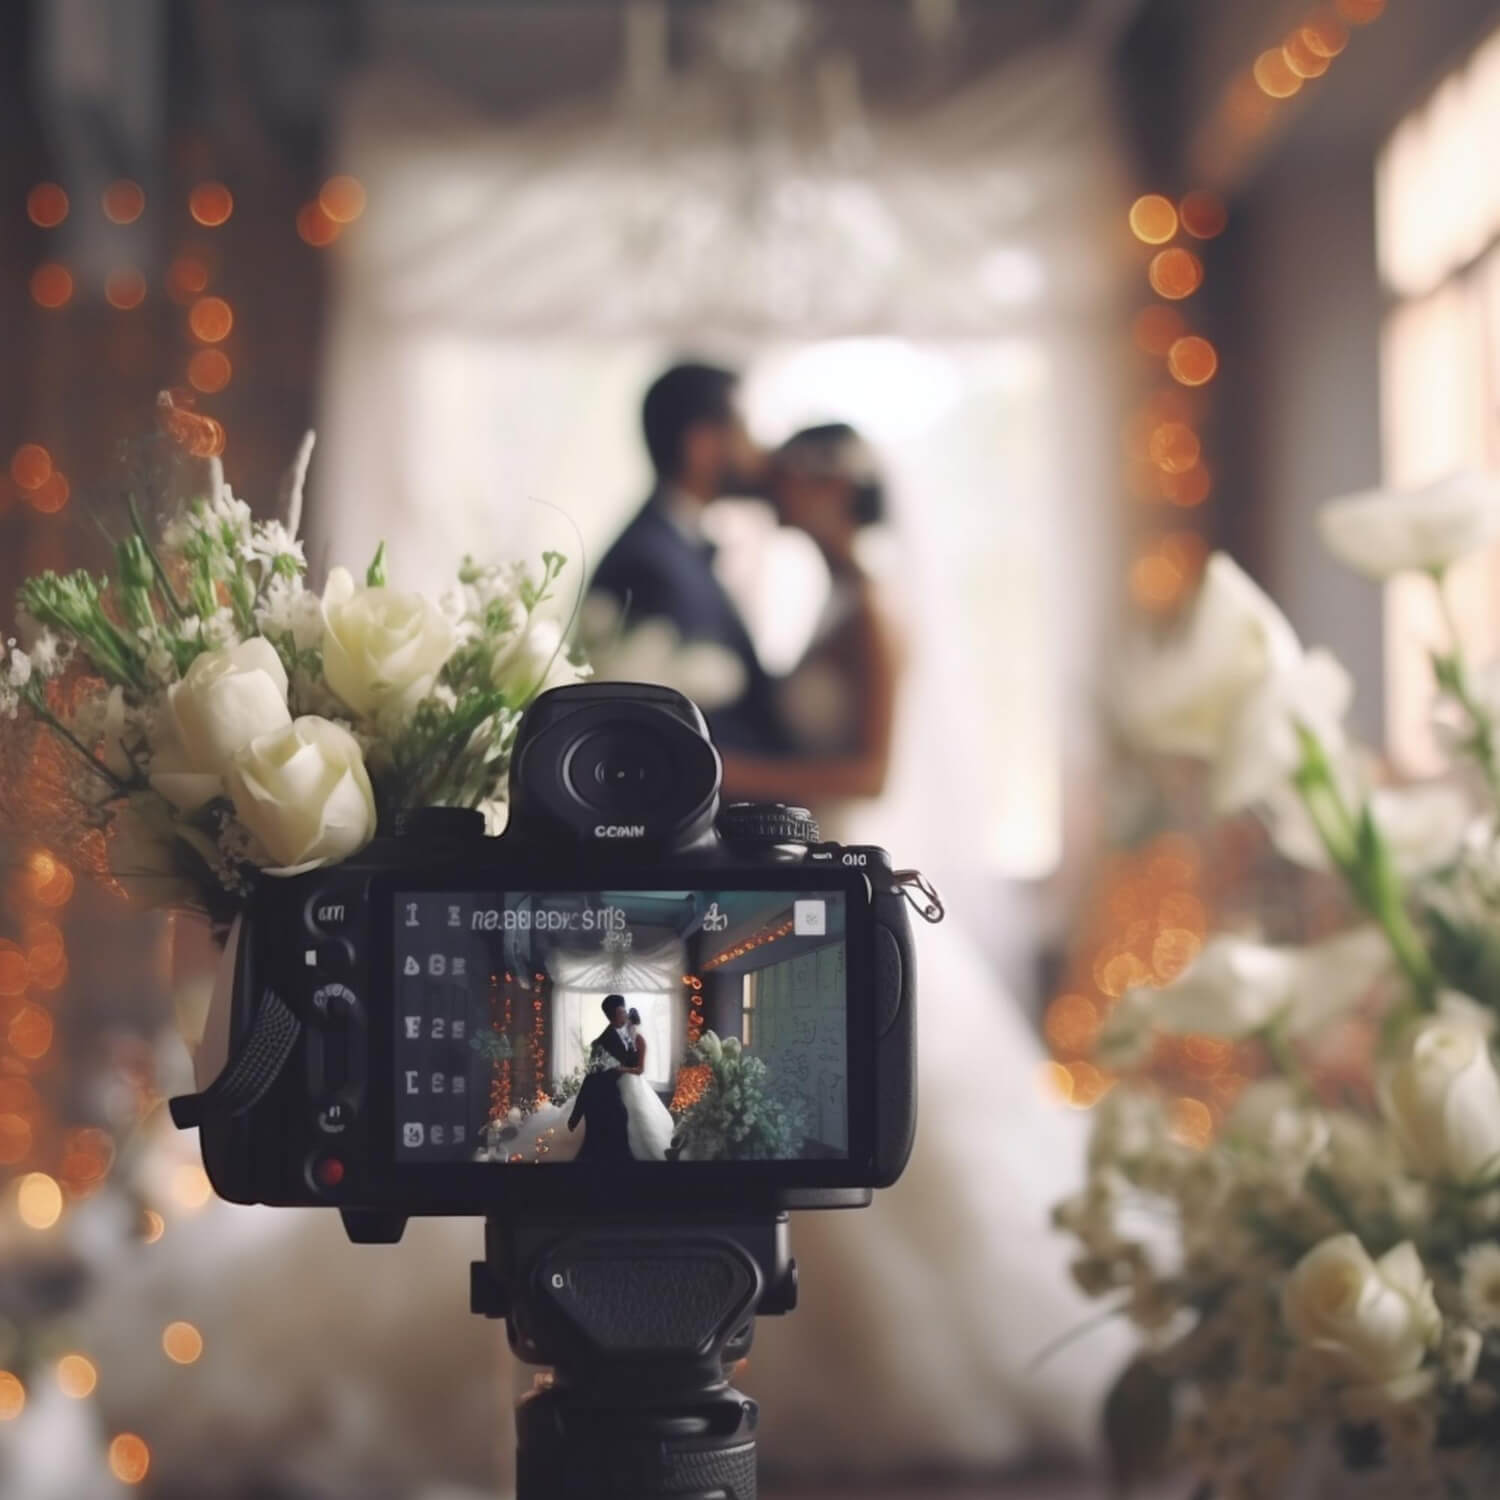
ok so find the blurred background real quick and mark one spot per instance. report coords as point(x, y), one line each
point(1103, 284)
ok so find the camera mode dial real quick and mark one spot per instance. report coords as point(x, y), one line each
point(767, 823)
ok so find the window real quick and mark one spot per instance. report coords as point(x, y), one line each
point(1438, 241)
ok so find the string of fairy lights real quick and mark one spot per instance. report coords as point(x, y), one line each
point(35, 476)
point(1152, 908)
point(52, 1165)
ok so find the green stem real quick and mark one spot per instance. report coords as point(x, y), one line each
point(1357, 852)
point(1453, 674)
point(163, 583)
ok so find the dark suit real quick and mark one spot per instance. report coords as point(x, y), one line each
point(600, 1106)
point(654, 571)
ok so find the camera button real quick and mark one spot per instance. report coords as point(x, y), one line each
point(327, 1173)
point(331, 911)
point(334, 1003)
point(330, 956)
point(336, 1117)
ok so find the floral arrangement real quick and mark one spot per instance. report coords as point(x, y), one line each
point(212, 716)
point(1317, 1282)
point(737, 1117)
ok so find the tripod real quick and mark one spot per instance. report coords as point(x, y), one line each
point(640, 1323)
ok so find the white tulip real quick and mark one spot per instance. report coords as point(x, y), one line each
point(225, 699)
point(382, 650)
point(1384, 532)
point(536, 662)
point(1182, 699)
point(1236, 987)
point(1378, 1317)
point(1442, 1099)
point(303, 791)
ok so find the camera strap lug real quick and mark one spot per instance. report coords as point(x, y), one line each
point(921, 894)
point(251, 1070)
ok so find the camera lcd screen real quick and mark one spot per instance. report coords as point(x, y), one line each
point(537, 1027)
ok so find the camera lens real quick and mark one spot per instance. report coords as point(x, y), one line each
point(624, 770)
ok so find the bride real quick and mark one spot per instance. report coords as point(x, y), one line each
point(953, 1281)
point(649, 1125)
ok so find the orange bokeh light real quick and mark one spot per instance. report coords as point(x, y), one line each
point(31, 466)
point(12, 1397)
point(1055, 1082)
point(1192, 1123)
point(1174, 446)
point(211, 319)
point(1157, 328)
point(1274, 76)
point(1175, 273)
point(77, 1376)
point(1192, 360)
point(1154, 582)
point(1301, 58)
point(1203, 214)
point(1360, 12)
point(88, 1154)
point(51, 285)
point(1324, 34)
point(209, 371)
point(182, 1343)
point(1191, 487)
point(123, 202)
point(30, 1033)
point(187, 277)
point(129, 1458)
point(125, 288)
point(1072, 1023)
point(342, 198)
point(210, 204)
point(315, 228)
point(46, 205)
point(1153, 219)
point(15, 1139)
point(51, 495)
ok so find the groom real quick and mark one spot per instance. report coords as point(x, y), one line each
point(600, 1105)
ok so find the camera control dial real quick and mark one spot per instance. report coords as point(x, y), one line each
point(767, 824)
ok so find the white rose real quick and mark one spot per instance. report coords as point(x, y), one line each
point(303, 791)
point(1181, 698)
point(710, 1046)
point(1274, 1118)
point(1383, 532)
point(381, 649)
point(1378, 1317)
point(535, 663)
point(226, 698)
point(1442, 1100)
point(1235, 986)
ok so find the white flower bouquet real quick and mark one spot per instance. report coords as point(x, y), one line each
point(1317, 1270)
point(202, 716)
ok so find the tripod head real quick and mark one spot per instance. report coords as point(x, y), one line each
point(641, 1324)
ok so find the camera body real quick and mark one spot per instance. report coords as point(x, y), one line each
point(445, 988)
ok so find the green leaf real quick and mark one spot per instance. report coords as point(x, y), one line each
point(375, 573)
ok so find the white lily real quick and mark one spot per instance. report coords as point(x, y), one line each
point(1383, 532)
point(1424, 827)
point(1182, 698)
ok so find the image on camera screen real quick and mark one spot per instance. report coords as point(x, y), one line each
point(597, 1026)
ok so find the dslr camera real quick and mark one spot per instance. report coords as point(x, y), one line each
point(631, 1033)
point(431, 1027)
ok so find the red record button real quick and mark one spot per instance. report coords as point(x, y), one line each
point(328, 1172)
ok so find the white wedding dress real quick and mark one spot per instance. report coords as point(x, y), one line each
point(649, 1125)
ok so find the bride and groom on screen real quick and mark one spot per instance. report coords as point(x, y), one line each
point(622, 1117)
